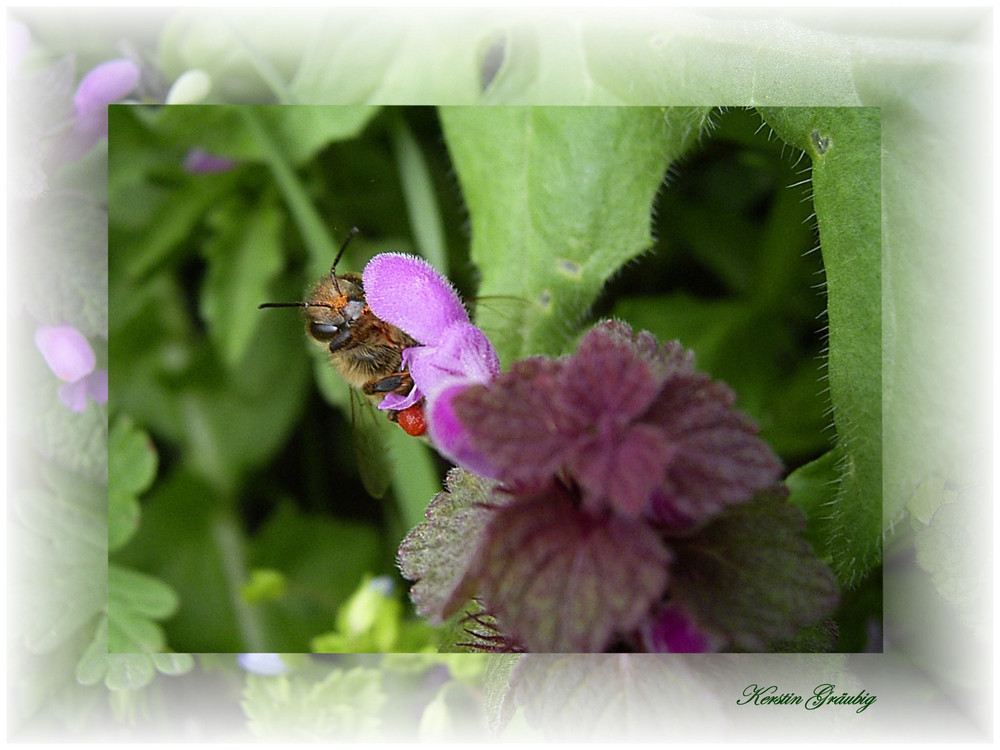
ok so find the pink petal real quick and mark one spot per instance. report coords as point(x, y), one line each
point(74, 395)
point(409, 293)
point(463, 352)
point(672, 631)
point(109, 82)
point(97, 385)
point(66, 351)
point(199, 161)
point(450, 438)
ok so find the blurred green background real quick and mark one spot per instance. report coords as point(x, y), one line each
point(257, 517)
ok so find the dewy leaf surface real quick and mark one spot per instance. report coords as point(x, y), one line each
point(844, 145)
point(559, 199)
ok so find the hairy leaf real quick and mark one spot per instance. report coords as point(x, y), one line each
point(751, 577)
point(844, 145)
point(560, 580)
point(437, 554)
point(559, 199)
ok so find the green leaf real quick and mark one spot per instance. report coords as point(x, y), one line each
point(811, 488)
point(749, 575)
point(370, 621)
point(355, 57)
point(182, 541)
point(63, 559)
point(343, 705)
point(132, 463)
point(496, 683)
point(559, 199)
point(140, 593)
point(244, 255)
point(844, 145)
point(322, 559)
point(63, 261)
point(437, 553)
point(93, 664)
point(416, 476)
point(770, 61)
point(173, 664)
point(612, 698)
point(124, 513)
point(301, 130)
point(421, 204)
point(132, 633)
point(129, 671)
point(265, 584)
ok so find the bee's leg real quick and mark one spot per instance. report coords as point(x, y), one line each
point(400, 383)
point(341, 338)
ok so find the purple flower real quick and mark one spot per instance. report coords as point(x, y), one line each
point(673, 631)
point(106, 84)
point(406, 291)
point(199, 161)
point(93, 386)
point(66, 351)
point(70, 357)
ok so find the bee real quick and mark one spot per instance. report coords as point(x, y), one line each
point(365, 350)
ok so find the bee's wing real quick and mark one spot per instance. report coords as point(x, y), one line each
point(370, 448)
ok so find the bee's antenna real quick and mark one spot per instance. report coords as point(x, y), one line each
point(282, 304)
point(333, 269)
point(333, 277)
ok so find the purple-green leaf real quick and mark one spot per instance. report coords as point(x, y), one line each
point(750, 575)
point(437, 553)
point(559, 579)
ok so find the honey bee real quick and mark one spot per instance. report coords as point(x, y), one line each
point(365, 350)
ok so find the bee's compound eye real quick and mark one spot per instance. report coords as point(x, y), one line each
point(323, 331)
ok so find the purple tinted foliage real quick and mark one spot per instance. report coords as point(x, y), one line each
point(560, 579)
point(635, 427)
point(609, 463)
